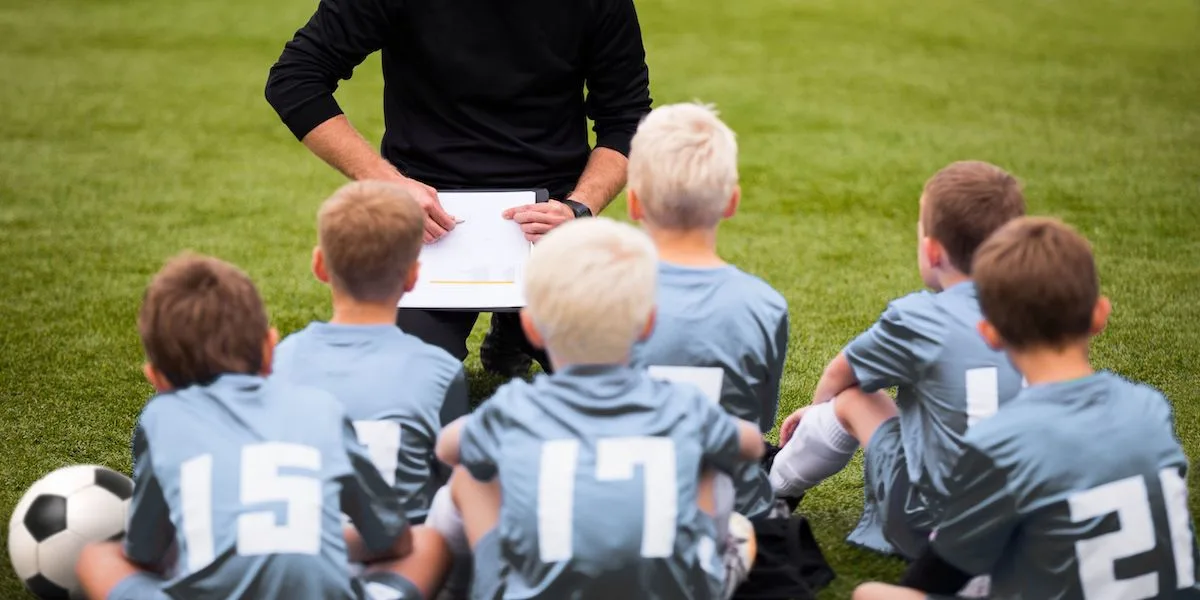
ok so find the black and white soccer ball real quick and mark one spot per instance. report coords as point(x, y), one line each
point(59, 514)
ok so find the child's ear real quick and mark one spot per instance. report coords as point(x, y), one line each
point(531, 332)
point(318, 265)
point(156, 378)
point(411, 281)
point(268, 352)
point(934, 253)
point(635, 206)
point(991, 337)
point(649, 328)
point(1100, 315)
point(734, 201)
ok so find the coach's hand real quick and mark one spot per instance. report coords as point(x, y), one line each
point(538, 219)
point(789, 426)
point(437, 222)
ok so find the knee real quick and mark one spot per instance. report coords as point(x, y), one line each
point(858, 410)
point(870, 591)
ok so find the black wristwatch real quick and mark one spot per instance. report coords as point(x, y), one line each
point(580, 209)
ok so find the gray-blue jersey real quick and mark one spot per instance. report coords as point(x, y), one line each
point(599, 468)
point(1075, 491)
point(723, 317)
point(250, 477)
point(397, 390)
point(947, 378)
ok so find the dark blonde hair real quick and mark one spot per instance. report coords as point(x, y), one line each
point(1037, 283)
point(202, 318)
point(370, 233)
point(966, 202)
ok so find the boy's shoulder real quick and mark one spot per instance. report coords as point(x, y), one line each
point(745, 288)
point(389, 340)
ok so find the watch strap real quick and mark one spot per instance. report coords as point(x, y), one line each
point(580, 209)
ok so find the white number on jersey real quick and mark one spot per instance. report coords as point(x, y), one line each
point(616, 460)
point(1130, 500)
point(983, 394)
point(382, 439)
point(261, 482)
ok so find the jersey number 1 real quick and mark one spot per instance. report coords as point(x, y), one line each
point(616, 459)
point(261, 482)
point(1129, 499)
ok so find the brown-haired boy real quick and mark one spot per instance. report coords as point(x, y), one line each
point(246, 476)
point(926, 345)
point(1021, 504)
point(397, 390)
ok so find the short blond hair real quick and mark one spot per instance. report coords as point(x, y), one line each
point(589, 288)
point(683, 166)
point(370, 233)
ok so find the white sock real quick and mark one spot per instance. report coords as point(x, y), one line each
point(444, 518)
point(819, 448)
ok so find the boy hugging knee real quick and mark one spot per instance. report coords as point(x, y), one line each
point(240, 481)
point(397, 390)
point(926, 345)
point(683, 181)
point(1077, 488)
point(598, 466)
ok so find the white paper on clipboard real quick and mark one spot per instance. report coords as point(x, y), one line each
point(480, 264)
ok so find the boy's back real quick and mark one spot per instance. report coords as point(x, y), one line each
point(947, 378)
point(250, 478)
point(599, 469)
point(1075, 490)
point(723, 317)
point(397, 390)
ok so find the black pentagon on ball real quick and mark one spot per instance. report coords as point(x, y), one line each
point(46, 589)
point(120, 485)
point(47, 516)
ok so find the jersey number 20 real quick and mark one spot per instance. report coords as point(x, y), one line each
point(261, 482)
point(1129, 499)
point(616, 459)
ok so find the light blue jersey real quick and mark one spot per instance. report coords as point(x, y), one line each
point(1077, 491)
point(599, 469)
point(723, 317)
point(947, 378)
point(397, 390)
point(250, 478)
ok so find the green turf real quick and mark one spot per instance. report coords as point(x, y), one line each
point(132, 129)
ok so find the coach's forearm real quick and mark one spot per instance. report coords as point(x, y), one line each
point(338, 143)
point(602, 179)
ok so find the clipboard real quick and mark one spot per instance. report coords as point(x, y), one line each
point(464, 274)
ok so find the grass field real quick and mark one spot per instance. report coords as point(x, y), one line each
point(132, 129)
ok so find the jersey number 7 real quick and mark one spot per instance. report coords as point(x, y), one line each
point(616, 459)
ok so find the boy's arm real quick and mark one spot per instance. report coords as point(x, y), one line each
point(357, 550)
point(727, 440)
point(372, 505)
point(449, 442)
point(979, 515)
point(149, 533)
point(750, 440)
point(837, 378)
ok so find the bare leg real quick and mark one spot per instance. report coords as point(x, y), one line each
point(426, 566)
point(101, 567)
point(861, 413)
point(477, 501)
point(882, 591)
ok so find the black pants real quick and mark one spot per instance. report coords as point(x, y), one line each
point(449, 330)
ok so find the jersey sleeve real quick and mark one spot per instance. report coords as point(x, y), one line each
point(776, 359)
point(456, 403)
point(149, 532)
point(479, 443)
point(980, 515)
point(367, 499)
point(720, 436)
point(898, 347)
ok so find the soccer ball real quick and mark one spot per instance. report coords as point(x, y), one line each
point(57, 516)
point(741, 532)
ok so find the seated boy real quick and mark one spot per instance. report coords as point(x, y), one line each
point(683, 181)
point(1077, 488)
point(599, 465)
point(397, 390)
point(926, 345)
point(247, 477)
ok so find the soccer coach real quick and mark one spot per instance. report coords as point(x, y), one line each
point(477, 94)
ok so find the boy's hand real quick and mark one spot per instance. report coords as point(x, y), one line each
point(538, 219)
point(789, 426)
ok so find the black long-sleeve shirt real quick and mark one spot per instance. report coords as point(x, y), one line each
point(477, 93)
